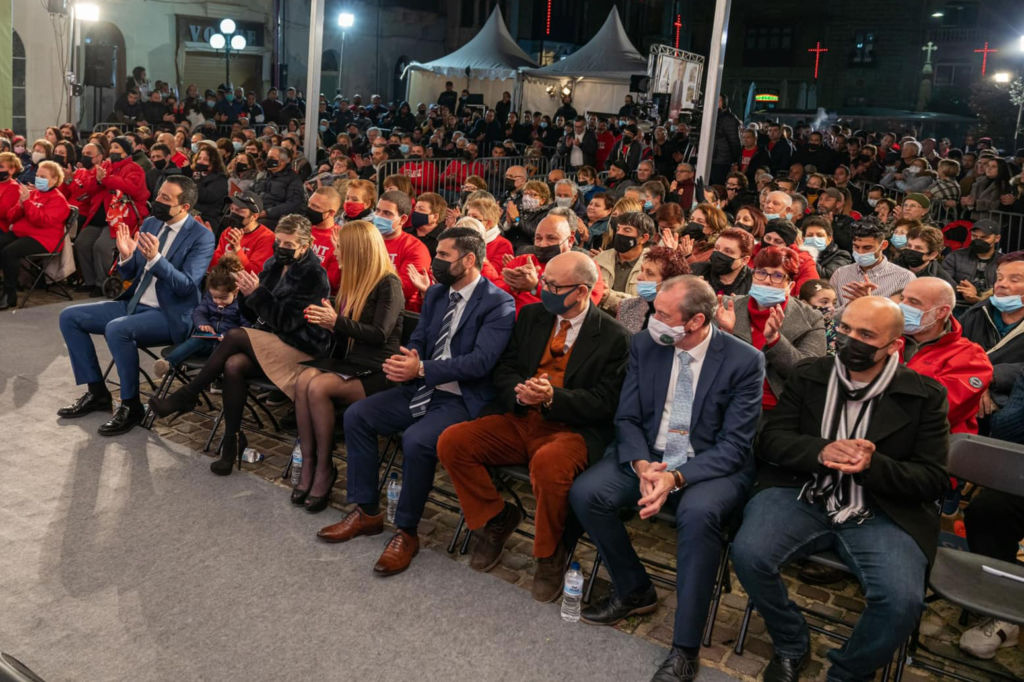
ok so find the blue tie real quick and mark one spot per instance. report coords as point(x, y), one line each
point(421, 399)
point(677, 444)
point(148, 277)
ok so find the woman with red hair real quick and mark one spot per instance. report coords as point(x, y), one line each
point(783, 327)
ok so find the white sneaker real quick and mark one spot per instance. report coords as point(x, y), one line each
point(983, 640)
point(161, 368)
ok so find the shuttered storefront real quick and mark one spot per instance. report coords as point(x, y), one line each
point(206, 70)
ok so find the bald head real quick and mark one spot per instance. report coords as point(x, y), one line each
point(872, 319)
point(517, 174)
point(935, 299)
point(572, 267)
point(931, 292)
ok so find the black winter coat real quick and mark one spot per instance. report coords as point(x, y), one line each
point(213, 194)
point(282, 194)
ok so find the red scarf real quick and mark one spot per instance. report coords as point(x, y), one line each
point(758, 318)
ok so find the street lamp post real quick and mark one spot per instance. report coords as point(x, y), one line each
point(81, 12)
point(346, 20)
point(227, 40)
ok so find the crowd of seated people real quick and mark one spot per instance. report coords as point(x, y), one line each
point(575, 323)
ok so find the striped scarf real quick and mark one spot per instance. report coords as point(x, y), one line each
point(842, 496)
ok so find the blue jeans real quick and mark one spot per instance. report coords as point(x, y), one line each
point(124, 334)
point(777, 528)
point(387, 413)
point(190, 347)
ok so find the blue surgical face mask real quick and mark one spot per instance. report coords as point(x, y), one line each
point(237, 145)
point(323, 129)
point(912, 319)
point(229, 97)
point(195, 147)
point(42, 184)
point(898, 240)
point(767, 296)
point(648, 205)
point(771, 216)
point(1007, 304)
point(816, 242)
point(647, 290)
point(384, 225)
point(866, 260)
point(211, 102)
point(404, 148)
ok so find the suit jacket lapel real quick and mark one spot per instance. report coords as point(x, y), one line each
point(184, 235)
point(708, 373)
point(660, 374)
point(467, 313)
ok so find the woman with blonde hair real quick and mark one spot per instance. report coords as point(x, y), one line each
point(365, 320)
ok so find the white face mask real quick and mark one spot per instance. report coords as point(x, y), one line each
point(872, 202)
point(37, 157)
point(663, 334)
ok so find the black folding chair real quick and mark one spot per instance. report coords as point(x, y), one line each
point(38, 263)
point(974, 582)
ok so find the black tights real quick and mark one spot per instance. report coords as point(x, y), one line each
point(234, 358)
point(316, 396)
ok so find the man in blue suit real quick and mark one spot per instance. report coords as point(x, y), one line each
point(464, 326)
point(165, 262)
point(686, 421)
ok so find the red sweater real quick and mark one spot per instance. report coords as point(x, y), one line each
point(41, 217)
point(758, 318)
point(10, 192)
point(324, 249)
point(527, 297)
point(404, 250)
point(253, 251)
point(128, 177)
point(497, 249)
point(84, 193)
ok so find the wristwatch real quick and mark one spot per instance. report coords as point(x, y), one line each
point(421, 372)
point(680, 482)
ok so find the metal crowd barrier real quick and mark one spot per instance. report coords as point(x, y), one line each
point(444, 176)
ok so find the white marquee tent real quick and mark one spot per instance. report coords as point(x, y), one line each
point(492, 57)
point(598, 73)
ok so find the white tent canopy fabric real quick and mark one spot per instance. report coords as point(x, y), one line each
point(598, 73)
point(492, 58)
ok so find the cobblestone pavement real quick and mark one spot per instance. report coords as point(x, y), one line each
point(653, 540)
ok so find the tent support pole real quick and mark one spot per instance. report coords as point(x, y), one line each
point(316, 53)
point(712, 88)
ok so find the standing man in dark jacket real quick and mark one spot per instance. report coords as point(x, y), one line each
point(628, 149)
point(449, 98)
point(852, 459)
point(281, 191)
point(780, 149)
point(580, 147)
point(727, 142)
point(272, 106)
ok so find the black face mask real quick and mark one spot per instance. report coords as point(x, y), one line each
point(160, 164)
point(418, 219)
point(855, 355)
point(284, 256)
point(721, 264)
point(979, 247)
point(468, 156)
point(510, 185)
point(464, 196)
point(115, 157)
point(442, 271)
point(202, 167)
point(623, 244)
point(546, 253)
point(694, 231)
point(241, 167)
point(233, 220)
point(273, 164)
point(4, 176)
point(909, 258)
point(160, 211)
point(315, 217)
point(87, 162)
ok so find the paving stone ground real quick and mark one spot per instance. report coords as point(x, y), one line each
point(653, 540)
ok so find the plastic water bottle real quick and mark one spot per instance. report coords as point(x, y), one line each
point(296, 463)
point(394, 492)
point(572, 594)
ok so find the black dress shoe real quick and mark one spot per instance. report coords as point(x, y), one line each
point(124, 420)
point(678, 667)
point(616, 608)
point(785, 669)
point(87, 404)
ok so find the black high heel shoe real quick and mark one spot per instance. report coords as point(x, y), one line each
point(174, 405)
point(299, 496)
point(228, 456)
point(315, 504)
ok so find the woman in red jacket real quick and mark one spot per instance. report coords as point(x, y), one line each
point(120, 184)
point(37, 226)
point(10, 188)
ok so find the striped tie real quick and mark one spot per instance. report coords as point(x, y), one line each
point(147, 278)
point(420, 400)
point(677, 445)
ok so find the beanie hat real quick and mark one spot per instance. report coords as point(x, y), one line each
point(923, 201)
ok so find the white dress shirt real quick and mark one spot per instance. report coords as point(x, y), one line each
point(698, 353)
point(466, 292)
point(149, 297)
point(576, 155)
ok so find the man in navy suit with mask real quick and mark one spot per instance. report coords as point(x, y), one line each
point(685, 426)
point(165, 262)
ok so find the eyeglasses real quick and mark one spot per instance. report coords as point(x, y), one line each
point(775, 277)
point(553, 288)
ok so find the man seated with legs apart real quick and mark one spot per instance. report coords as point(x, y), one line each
point(165, 261)
point(685, 425)
point(852, 459)
point(557, 387)
point(463, 329)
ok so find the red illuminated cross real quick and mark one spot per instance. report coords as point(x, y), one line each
point(678, 23)
point(818, 49)
point(547, 25)
point(984, 57)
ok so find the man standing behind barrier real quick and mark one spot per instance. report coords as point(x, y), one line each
point(683, 372)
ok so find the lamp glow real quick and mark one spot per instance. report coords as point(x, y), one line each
point(237, 42)
point(87, 11)
point(1002, 77)
point(227, 26)
point(346, 20)
point(217, 41)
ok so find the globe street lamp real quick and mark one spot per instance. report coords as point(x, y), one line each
point(227, 40)
point(346, 20)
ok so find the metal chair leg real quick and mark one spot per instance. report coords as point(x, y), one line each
point(453, 545)
point(464, 550)
point(213, 431)
point(593, 577)
point(723, 571)
point(741, 638)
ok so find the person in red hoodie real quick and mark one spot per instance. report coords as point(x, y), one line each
point(122, 185)
point(393, 210)
point(523, 274)
point(323, 205)
point(488, 212)
point(420, 171)
point(10, 188)
point(243, 236)
point(37, 226)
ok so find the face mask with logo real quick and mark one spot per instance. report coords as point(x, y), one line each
point(564, 202)
point(442, 271)
point(663, 334)
point(530, 203)
point(42, 184)
point(284, 256)
point(647, 290)
point(623, 243)
point(720, 263)
point(816, 242)
point(866, 260)
point(383, 225)
point(767, 296)
point(419, 219)
point(1007, 304)
point(855, 355)
point(826, 311)
point(898, 241)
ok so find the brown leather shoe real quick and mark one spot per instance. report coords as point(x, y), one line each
point(491, 539)
point(549, 575)
point(356, 523)
point(398, 554)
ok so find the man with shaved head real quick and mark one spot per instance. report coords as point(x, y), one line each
point(852, 459)
point(557, 386)
point(935, 347)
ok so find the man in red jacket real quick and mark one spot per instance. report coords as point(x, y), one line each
point(422, 172)
point(243, 235)
point(935, 347)
point(393, 210)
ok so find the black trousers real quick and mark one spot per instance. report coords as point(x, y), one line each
point(12, 250)
point(995, 524)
